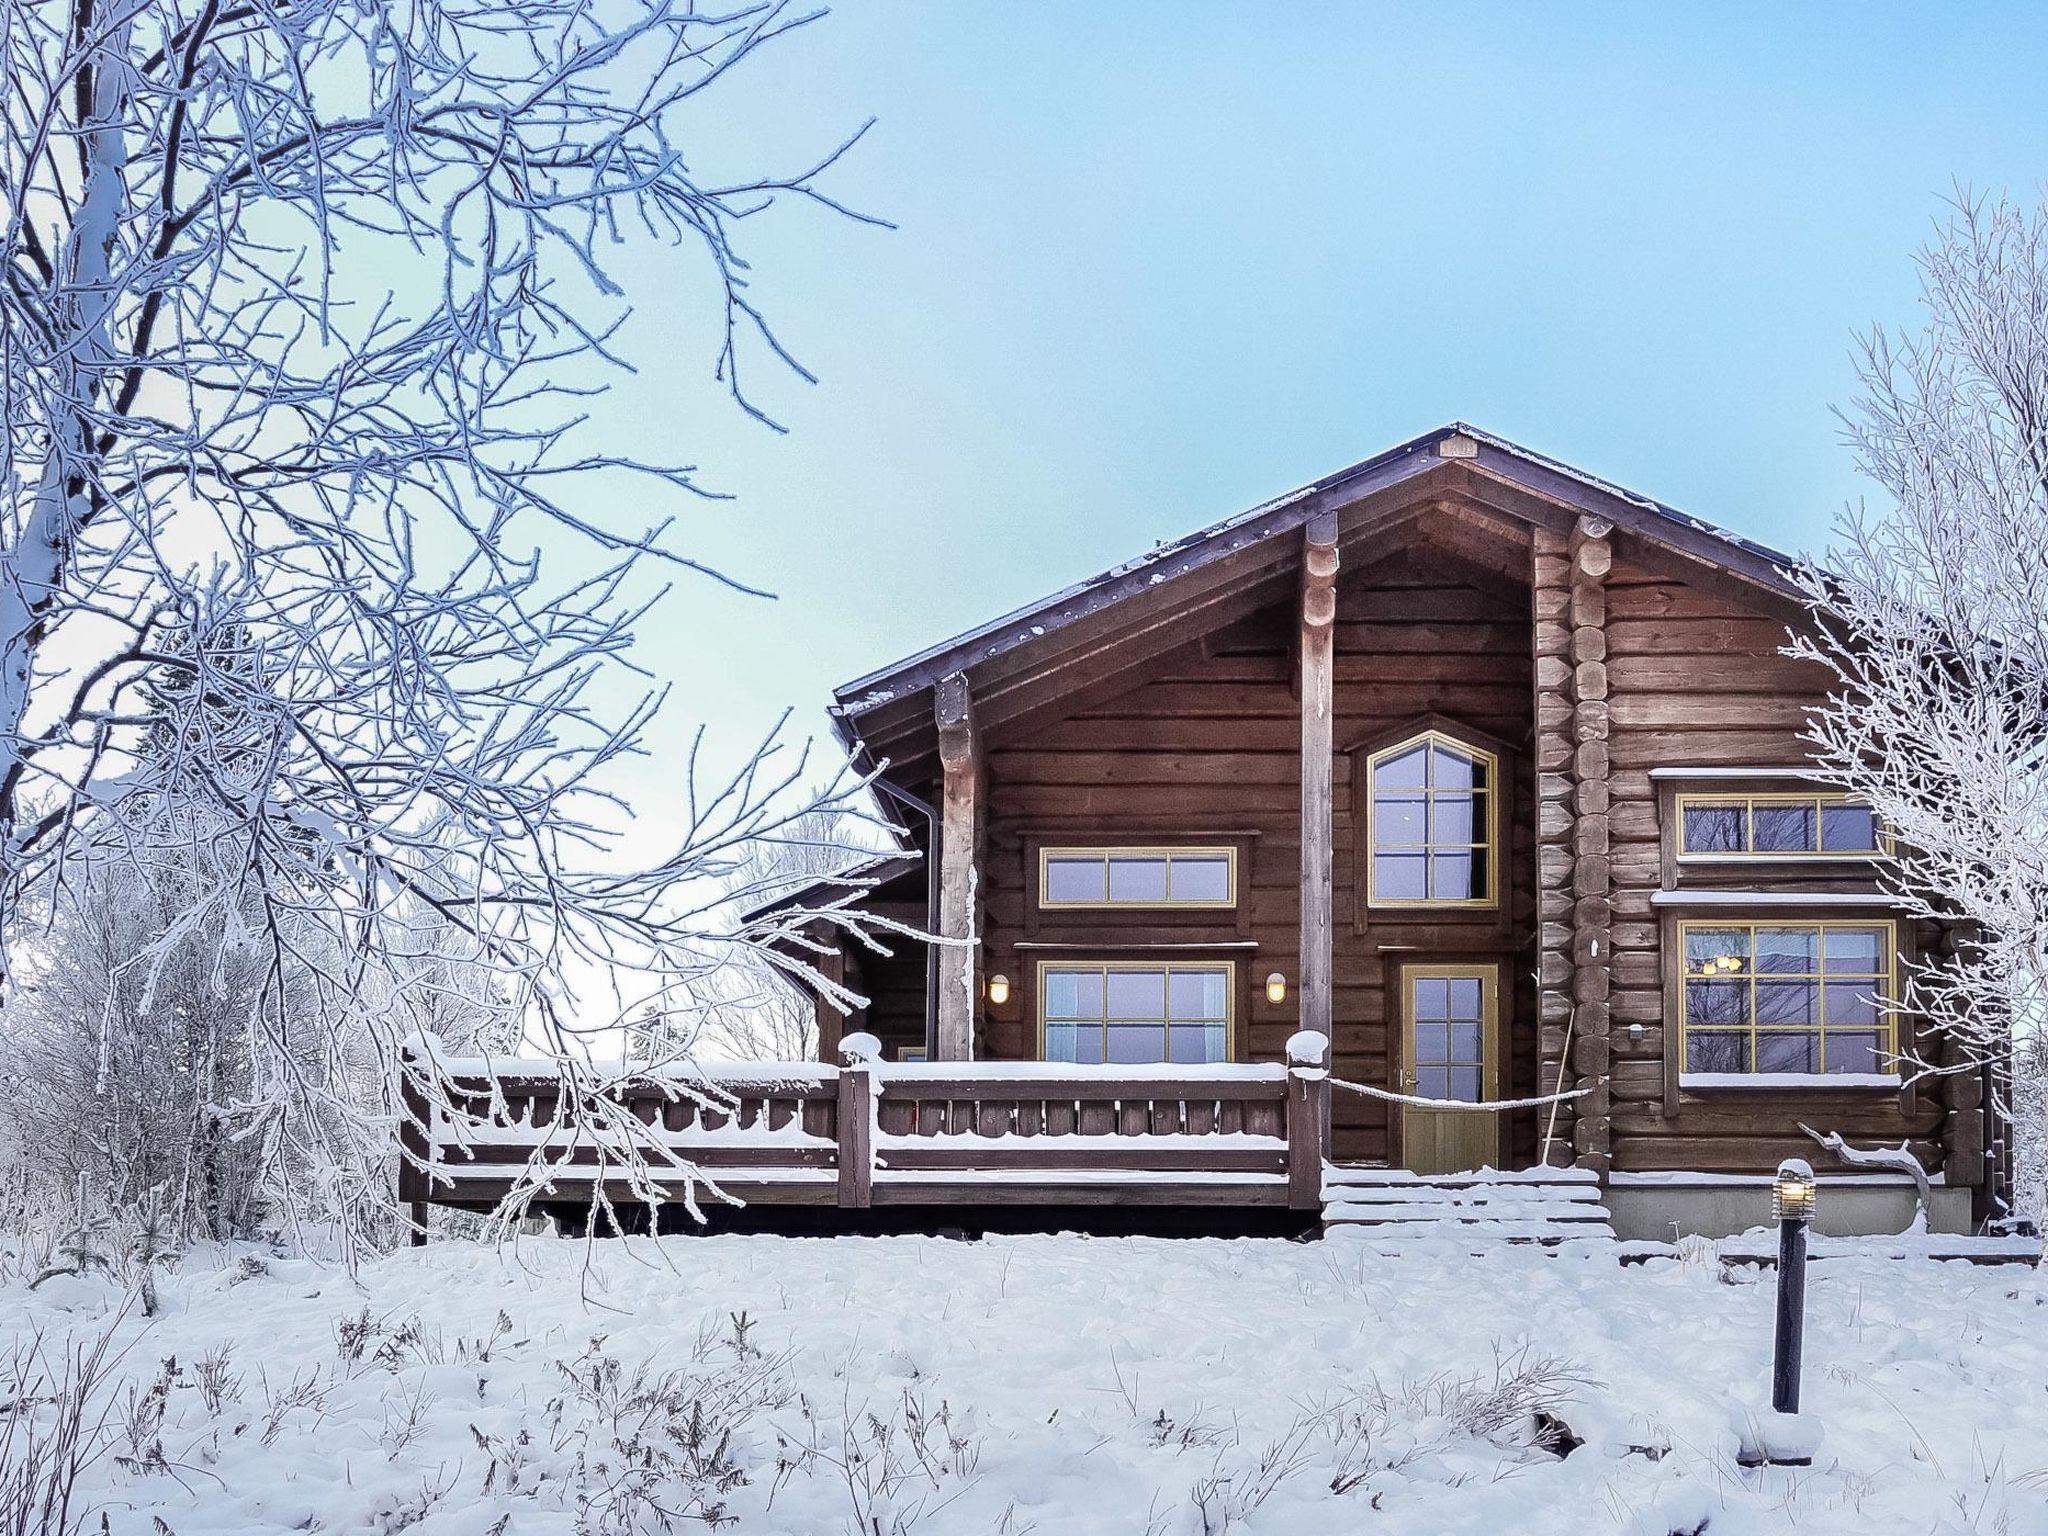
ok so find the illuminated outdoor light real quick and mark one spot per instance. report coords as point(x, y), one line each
point(1795, 1192)
point(1276, 988)
point(999, 990)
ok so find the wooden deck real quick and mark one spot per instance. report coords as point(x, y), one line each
point(868, 1134)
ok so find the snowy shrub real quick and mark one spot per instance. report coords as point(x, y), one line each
point(55, 1401)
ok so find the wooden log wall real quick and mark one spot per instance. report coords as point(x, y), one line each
point(1697, 679)
point(1207, 747)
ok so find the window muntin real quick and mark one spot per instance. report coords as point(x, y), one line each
point(1787, 997)
point(1434, 818)
point(1450, 1016)
point(1091, 1012)
point(1137, 877)
point(1776, 826)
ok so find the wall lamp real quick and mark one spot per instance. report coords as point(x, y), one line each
point(999, 990)
point(1276, 989)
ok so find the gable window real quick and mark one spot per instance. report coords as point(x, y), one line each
point(1788, 997)
point(1776, 826)
point(1137, 877)
point(1434, 817)
point(1115, 1011)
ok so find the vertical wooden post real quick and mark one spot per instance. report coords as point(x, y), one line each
point(1318, 704)
point(857, 1122)
point(959, 825)
point(831, 967)
point(1308, 1118)
point(1592, 556)
point(1550, 587)
point(414, 1148)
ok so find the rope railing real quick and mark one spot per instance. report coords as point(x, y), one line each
point(1493, 1106)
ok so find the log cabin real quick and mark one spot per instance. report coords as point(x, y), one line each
point(1459, 777)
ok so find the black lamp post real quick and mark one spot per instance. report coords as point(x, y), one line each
point(1793, 1197)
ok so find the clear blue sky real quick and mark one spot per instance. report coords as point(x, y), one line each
point(1157, 262)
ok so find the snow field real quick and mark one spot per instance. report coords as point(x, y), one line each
point(1044, 1384)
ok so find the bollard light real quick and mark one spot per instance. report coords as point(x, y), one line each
point(1794, 1195)
point(999, 990)
point(1276, 989)
point(1794, 1192)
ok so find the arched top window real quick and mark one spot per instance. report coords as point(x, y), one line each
point(1434, 809)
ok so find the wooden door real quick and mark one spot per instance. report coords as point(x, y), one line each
point(1450, 1048)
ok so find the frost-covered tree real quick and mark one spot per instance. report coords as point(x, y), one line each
point(1933, 616)
point(300, 305)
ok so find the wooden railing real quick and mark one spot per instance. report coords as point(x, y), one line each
point(866, 1132)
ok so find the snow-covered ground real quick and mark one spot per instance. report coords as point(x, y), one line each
point(1047, 1384)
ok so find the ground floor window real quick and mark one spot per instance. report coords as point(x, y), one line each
point(1135, 1011)
point(1772, 997)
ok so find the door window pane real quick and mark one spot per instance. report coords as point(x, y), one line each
point(1465, 1042)
point(1433, 1082)
point(1432, 1042)
point(1432, 997)
point(1465, 1085)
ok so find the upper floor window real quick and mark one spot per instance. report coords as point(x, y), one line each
point(1775, 826)
point(1137, 877)
point(1435, 819)
point(1115, 1011)
point(1778, 997)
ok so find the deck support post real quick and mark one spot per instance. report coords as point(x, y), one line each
point(1318, 706)
point(857, 1121)
point(414, 1148)
point(831, 969)
point(1308, 1118)
point(959, 832)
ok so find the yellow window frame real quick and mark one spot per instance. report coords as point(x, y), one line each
point(1226, 968)
point(1749, 800)
point(1886, 977)
point(1108, 852)
point(1490, 845)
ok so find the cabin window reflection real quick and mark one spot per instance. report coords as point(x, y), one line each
point(1434, 817)
point(1113, 1012)
point(1778, 826)
point(1137, 877)
point(1767, 998)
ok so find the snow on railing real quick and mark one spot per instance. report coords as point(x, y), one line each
point(865, 1123)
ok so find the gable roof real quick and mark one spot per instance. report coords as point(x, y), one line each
point(879, 712)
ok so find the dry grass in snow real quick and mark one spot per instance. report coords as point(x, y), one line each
point(1050, 1385)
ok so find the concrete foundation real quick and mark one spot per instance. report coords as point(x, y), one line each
point(1704, 1206)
